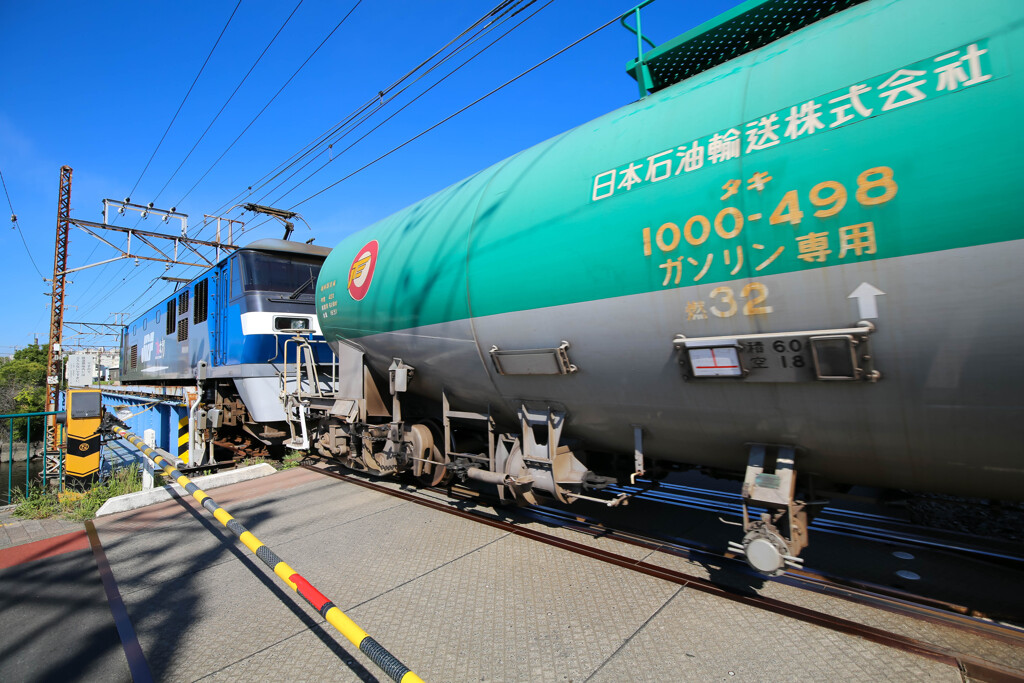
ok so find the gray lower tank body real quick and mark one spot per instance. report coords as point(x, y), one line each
point(946, 416)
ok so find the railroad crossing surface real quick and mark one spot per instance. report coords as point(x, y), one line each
point(453, 599)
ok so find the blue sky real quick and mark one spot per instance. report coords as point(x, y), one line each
point(95, 85)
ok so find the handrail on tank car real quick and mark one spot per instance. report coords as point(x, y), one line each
point(643, 76)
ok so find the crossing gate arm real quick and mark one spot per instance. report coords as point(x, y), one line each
point(388, 663)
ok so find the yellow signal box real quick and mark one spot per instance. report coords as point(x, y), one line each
point(84, 412)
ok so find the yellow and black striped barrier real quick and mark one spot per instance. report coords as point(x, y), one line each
point(183, 440)
point(388, 663)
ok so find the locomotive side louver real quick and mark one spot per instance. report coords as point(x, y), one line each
point(200, 311)
point(171, 308)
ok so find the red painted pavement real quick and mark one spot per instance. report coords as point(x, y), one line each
point(48, 547)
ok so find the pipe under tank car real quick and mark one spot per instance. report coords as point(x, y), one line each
point(804, 260)
point(225, 333)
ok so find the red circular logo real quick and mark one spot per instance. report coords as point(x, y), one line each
point(360, 273)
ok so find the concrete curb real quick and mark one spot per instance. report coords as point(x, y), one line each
point(133, 501)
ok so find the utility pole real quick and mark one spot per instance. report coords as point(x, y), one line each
point(55, 454)
point(161, 248)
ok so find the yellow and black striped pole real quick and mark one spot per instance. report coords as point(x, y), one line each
point(397, 671)
point(183, 444)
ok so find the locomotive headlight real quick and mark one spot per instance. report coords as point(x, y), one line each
point(291, 324)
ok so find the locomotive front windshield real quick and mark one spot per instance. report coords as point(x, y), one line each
point(287, 274)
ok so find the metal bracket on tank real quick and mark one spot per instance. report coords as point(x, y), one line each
point(449, 415)
point(773, 541)
point(826, 355)
point(554, 361)
point(638, 454)
point(399, 375)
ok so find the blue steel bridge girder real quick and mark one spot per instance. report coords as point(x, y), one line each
point(160, 416)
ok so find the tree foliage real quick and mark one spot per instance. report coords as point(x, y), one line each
point(23, 385)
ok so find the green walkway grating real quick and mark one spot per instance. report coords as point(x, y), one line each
point(747, 27)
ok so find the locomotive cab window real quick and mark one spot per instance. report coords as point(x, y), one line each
point(236, 277)
point(292, 275)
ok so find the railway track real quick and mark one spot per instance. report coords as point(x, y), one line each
point(840, 522)
point(866, 592)
point(971, 666)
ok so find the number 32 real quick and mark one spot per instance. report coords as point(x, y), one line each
point(755, 293)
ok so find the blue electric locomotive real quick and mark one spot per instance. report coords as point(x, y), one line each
point(225, 334)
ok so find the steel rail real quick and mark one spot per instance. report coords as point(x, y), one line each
point(933, 610)
point(388, 663)
point(829, 522)
point(941, 612)
point(970, 666)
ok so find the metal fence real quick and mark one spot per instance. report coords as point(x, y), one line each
point(35, 423)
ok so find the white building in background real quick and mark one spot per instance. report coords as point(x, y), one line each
point(88, 366)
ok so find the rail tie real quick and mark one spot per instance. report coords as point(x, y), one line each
point(388, 663)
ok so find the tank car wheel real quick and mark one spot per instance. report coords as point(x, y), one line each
point(433, 472)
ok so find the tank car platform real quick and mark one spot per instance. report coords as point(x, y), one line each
point(456, 600)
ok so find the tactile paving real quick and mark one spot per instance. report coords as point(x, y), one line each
point(452, 599)
point(700, 637)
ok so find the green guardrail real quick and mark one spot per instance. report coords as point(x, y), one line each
point(10, 421)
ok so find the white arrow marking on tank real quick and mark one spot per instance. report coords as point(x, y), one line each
point(865, 295)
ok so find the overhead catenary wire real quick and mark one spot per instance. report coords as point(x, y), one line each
point(14, 220)
point(228, 100)
point(453, 115)
point(185, 98)
point(275, 96)
point(109, 285)
point(423, 93)
point(199, 140)
point(503, 11)
point(119, 281)
point(425, 67)
point(114, 284)
point(505, 15)
point(163, 137)
point(500, 9)
point(414, 99)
